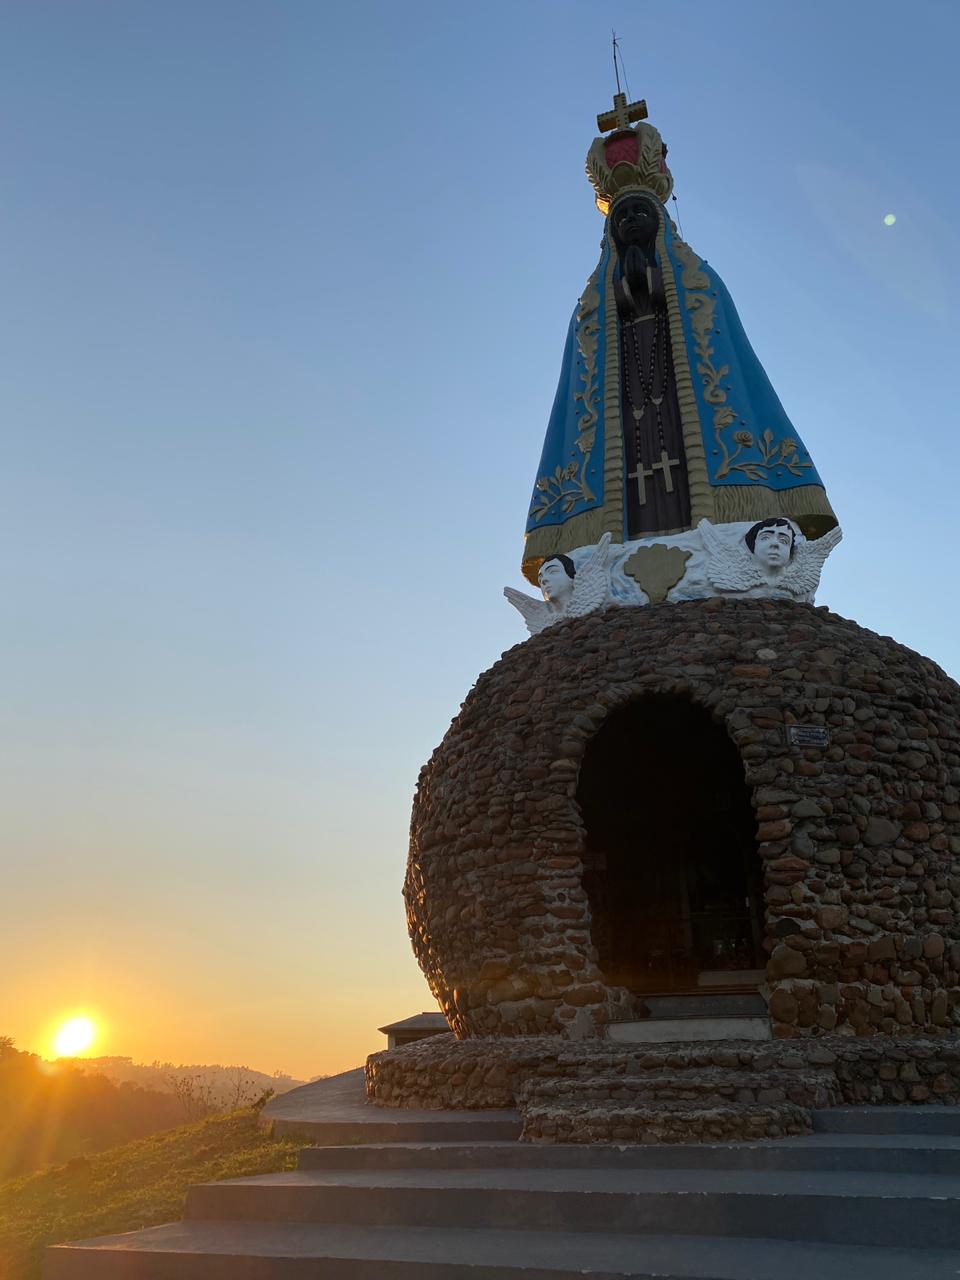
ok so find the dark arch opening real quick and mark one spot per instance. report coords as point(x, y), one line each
point(671, 867)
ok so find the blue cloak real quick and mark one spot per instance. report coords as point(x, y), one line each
point(745, 459)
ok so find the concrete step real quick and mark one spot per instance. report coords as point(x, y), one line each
point(852, 1153)
point(334, 1111)
point(388, 1125)
point(726, 978)
point(684, 1030)
point(716, 1085)
point(708, 1005)
point(259, 1251)
point(896, 1210)
point(906, 1120)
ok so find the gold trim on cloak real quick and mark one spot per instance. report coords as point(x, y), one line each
point(807, 504)
point(702, 496)
point(587, 527)
point(613, 497)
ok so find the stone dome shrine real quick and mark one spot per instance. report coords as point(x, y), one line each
point(718, 796)
point(693, 815)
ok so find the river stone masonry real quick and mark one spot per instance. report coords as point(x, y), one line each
point(859, 839)
point(596, 1091)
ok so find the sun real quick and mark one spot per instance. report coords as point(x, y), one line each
point(74, 1036)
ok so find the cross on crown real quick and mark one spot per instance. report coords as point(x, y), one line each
point(623, 114)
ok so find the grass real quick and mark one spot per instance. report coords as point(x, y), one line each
point(137, 1185)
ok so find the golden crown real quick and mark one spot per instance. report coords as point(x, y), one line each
point(632, 157)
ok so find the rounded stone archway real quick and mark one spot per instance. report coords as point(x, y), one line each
point(850, 749)
point(673, 880)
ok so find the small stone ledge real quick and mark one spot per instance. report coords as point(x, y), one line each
point(706, 1086)
point(731, 1122)
point(738, 1088)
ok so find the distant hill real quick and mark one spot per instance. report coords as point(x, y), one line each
point(131, 1186)
point(213, 1087)
point(53, 1111)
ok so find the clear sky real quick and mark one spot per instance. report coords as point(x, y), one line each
point(284, 289)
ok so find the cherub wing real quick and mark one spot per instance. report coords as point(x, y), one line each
point(591, 586)
point(537, 614)
point(802, 576)
point(728, 568)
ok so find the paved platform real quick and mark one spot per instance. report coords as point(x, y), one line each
point(879, 1200)
point(817, 1152)
point(335, 1110)
point(915, 1210)
point(916, 1120)
point(258, 1251)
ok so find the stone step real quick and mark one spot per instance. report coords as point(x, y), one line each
point(296, 1251)
point(810, 1088)
point(740, 1054)
point(662, 1122)
point(853, 1153)
point(944, 1121)
point(897, 1210)
point(678, 1030)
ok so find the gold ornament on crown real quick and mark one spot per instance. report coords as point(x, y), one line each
point(648, 172)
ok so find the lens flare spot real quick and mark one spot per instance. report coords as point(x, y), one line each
point(75, 1036)
point(889, 219)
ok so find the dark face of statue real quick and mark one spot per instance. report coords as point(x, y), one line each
point(635, 221)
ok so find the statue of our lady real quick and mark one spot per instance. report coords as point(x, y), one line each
point(663, 417)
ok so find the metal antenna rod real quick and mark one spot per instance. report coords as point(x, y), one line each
point(618, 66)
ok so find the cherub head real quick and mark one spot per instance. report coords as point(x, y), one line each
point(772, 542)
point(567, 591)
point(556, 580)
